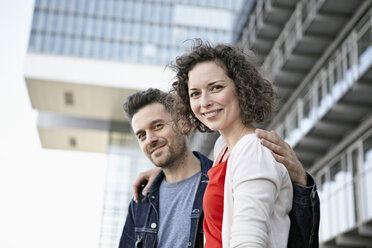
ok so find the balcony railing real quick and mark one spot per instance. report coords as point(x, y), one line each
point(293, 32)
point(342, 70)
point(258, 19)
point(343, 186)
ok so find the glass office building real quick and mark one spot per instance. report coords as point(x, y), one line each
point(143, 31)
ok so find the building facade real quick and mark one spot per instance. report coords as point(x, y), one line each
point(318, 54)
point(86, 56)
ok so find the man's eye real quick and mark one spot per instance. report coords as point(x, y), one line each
point(140, 136)
point(158, 126)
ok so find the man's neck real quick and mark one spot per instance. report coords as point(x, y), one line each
point(183, 168)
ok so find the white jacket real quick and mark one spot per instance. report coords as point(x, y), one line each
point(257, 198)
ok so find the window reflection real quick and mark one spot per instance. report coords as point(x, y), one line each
point(367, 176)
point(88, 23)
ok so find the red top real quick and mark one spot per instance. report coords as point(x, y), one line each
point(213, 205)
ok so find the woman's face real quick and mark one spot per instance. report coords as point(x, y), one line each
point(213, 97)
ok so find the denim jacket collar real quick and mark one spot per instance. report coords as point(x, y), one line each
point(205, 165)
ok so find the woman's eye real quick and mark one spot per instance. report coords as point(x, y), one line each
point(194, 94)
point(216, 87)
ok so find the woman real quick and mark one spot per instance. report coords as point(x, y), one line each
point(249, 196)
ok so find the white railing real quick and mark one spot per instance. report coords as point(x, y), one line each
point(343, 185)
point(293, 31)
point(343, 69)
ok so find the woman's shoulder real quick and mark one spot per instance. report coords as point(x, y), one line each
point(250, 158)
point(248, 142)
point(218, 146)
point(249, 149)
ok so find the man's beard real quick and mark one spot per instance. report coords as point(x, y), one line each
point(173, 153)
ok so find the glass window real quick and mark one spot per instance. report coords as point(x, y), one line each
point(202, 17)
point(322, 182)
point(336, 197)
point(85, 47)
point(39, 41)
point(75, 47)
point(128, 36)
point(354, 164)
point(156, 12)
point(49, 43)
point(330, 79)
point(52, 22)
point(79, 25)
point(89, 26)
point(32, 42)
point(339, 69)
point(137, 13)
point(367, 178)
point(115, 31)
point(156, 34)
point(35, 20)
point(98, 7)
point(70, 6)
point(42, 3)
point(367, 153)
point(107, 28)
point(80, 6)
point(128, 10)
point(106, 49)
point(97, 27)
point(68, 24)
point(38, 3)
point(93, 51)
point(146, 12)
point(59, 44)
point(365, 50)
point(292, 120)
point(42, 20)
point(166, 15)
point(136, 31)
point(118, 51)
point(307, 106)
point(319, 92)
point(335, 170)
point(90, 7)
point(365, 42)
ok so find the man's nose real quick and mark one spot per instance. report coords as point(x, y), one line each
point(151, 138)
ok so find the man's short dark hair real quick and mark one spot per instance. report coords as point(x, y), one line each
point(141, 99)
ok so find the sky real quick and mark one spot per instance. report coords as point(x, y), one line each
point(48, 198)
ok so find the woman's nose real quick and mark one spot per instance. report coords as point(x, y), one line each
point(205, 101)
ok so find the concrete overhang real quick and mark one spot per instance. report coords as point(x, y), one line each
point(80, 100)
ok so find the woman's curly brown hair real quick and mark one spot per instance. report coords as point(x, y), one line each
point(255, 94)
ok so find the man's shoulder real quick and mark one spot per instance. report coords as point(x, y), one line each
point(205, 162)
point(141, 206)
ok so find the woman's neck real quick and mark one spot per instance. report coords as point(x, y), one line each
point(231, 137)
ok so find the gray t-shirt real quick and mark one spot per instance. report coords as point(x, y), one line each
point(175, 206)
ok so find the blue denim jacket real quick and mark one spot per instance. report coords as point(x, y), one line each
point(141, 226)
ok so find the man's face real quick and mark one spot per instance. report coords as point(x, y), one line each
point(158, 136)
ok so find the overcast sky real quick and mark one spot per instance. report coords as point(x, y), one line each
point(48, 198)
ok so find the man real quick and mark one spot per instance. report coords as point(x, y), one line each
point(170, 214)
